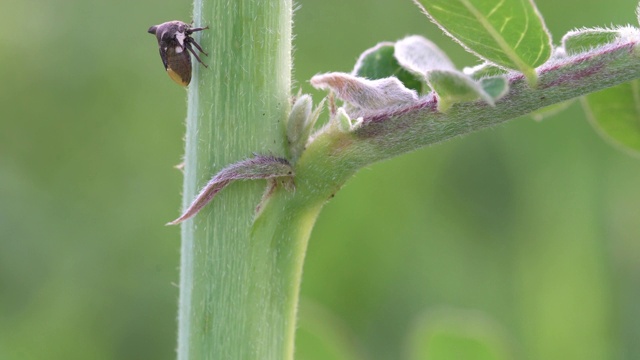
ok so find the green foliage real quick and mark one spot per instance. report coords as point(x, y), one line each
point(425, 59)
point(455, 87)
point(509, 33)
point(379, 62)
point(484, 70)
point(421, 58)
point(495, 87)
point(300, 124)
point(582, 40)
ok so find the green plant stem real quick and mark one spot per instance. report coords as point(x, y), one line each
point(387, 133)
point(240, 279)
point(232, 293)
point(334, 156)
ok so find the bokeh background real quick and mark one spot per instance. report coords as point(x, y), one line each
point(527, 235)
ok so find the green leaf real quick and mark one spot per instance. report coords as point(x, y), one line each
point(455, 87)
point(379, 63)
point(419, 55)
point(343, 122)
point(495, 86)
point(577, 41)
point(300, 124)
point(509, 33)
point(423, 58)
point(615, 113)
point(483, 70)
point(363, 93)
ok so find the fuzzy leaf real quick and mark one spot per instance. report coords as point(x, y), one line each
point(363, 93)
point(496, 86)
point(615, 113)
point(483, 70)
point(419, 55)
point(509, 33)
point(297, 121)
point(258, 167)
point(300, 124)
point(577, 41)
point(379, 62)
point(342, 121)
point(422, 57)
point(455, 87)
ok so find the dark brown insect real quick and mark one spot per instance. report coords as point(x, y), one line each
point(175, 42)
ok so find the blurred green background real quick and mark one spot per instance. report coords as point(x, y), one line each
point(527, 234)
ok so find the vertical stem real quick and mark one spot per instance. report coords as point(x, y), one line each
point(231, 301)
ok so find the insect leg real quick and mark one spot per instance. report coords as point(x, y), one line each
point(188, 46)
point(197, 46)
point(192, 30)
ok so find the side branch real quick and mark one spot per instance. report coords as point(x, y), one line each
point(407, 128)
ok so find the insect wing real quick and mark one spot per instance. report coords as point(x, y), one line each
point(178, 65)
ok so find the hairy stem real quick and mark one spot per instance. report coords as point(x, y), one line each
point(231, 292)
point(389, 132)
point(334, 155)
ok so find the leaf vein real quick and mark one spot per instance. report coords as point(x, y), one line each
point(495, 8)
point(526, 26)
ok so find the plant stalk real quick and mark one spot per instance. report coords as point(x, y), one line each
point(234, 298)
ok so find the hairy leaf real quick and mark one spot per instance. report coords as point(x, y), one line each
point(581, 40)
point(495, 86)
point(300, 124)
point(363, 93)
point(455, 87)
point(483, 70)
point(379, 62)
point(509, 33)
point(577, 41)
point(422, 57)
point(419, 55)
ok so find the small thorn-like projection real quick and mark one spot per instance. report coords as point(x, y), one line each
point(257, 167)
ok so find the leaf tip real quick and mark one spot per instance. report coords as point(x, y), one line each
point(175, 222)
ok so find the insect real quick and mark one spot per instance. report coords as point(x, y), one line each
point(175, 42)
